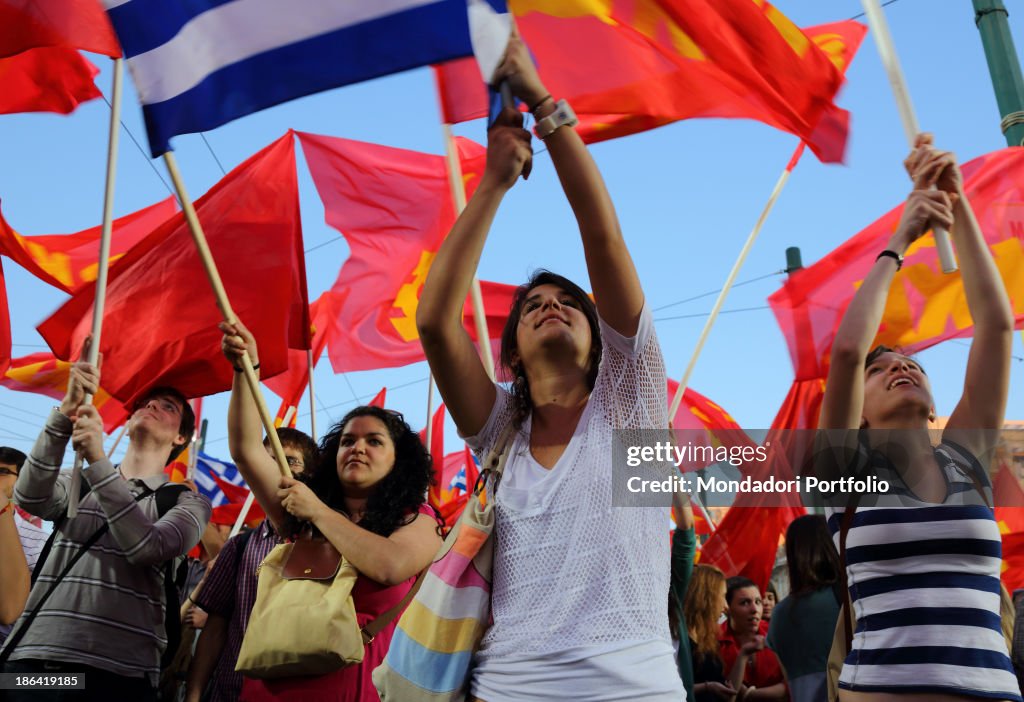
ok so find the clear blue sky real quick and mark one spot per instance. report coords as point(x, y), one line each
point(687, 194)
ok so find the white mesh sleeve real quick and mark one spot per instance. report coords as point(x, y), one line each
point(631, 382)
point(501, 415)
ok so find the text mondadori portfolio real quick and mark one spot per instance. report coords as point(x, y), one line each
point(800, 484)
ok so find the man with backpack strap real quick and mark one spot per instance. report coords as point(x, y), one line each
point(97, 607)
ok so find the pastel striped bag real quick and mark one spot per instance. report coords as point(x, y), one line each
point(433, 645)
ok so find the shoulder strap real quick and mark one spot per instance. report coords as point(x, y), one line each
point(375, 626)
point(972, 469)
point(18, 635)
point(495, 460)
point(167, 496)
point(57, 524)
point(844, 527)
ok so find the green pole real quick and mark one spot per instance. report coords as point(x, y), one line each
point(1004, 66)
point(202, 436)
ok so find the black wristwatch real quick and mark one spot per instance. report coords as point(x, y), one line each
point(888, 253)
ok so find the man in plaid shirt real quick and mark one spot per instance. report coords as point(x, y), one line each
point(230, 592)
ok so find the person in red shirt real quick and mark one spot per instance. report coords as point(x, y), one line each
point(754, 669)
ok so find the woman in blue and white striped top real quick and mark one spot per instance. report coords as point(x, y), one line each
point(923, 561)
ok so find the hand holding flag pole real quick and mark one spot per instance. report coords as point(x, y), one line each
point(92, 352)
point(224, 305)
point(887, 52)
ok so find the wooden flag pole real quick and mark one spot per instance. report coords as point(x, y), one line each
point(193, 457)
point(247, 505)
point(779, 185)
point(117, 440)
point(93, 352)
point(242, 514)
point(312, 397)
point(695, 501)
point(224, 305)
point(476, 296)
point(887, 52)
point(430, 411)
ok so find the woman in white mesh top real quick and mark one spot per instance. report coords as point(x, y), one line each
point(579, 587)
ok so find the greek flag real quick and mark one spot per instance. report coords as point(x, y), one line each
point(198, 64)
point(458, 481)
point(206, 466)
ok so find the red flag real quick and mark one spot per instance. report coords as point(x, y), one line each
point(43, 373)
point(379, 399)
point(74, 24)
point(233, 493)
point(746, 540)
point(291, 385)
point(394, 209)
point(925, 306)
point(704, 423)
point(160, 322)
point(46, 80)
point(227, 514)
point(628, 67)
point(1013, 561)
point(1008, 498)
point(437, 493)
point(5, 324)
point(67, 261)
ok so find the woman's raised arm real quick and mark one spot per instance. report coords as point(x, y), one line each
point(464, 384)
point(983, 403)
point(843, 404)
point(613, 276)
point(245, 430)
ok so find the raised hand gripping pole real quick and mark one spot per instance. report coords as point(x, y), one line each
point(93, 351)
point(887, 52)
point(224, 305)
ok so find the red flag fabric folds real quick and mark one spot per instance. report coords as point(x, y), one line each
point(45, 374)
point(703, 423)
point(379, 399)
point(628, 67)
point(746, 540)
point(75, 24)
point(394, 207)
point(46, 80)
point(925, 306)
point(291, 385)
point(160, 322)
point(67, 261)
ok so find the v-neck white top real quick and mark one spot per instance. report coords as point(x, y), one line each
point(580, 589)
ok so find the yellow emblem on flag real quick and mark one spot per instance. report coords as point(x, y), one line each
point(408, 298)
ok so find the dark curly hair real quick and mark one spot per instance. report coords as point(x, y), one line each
point(396, 499)
point(522, 403)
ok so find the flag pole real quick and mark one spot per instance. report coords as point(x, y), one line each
point(117, 440)
point(242, 514)
point(779, 185)
point(430, 411)
point(451, 152)
point(247, 505)
point(93, 352)
point(887, 52)
point(193, 449)
point(312, 396)
point(224, 305)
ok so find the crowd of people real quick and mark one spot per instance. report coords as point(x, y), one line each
point(898, 599)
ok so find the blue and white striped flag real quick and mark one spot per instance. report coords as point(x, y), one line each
point(198, 64)
point(207, 466)
point(458, 481)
